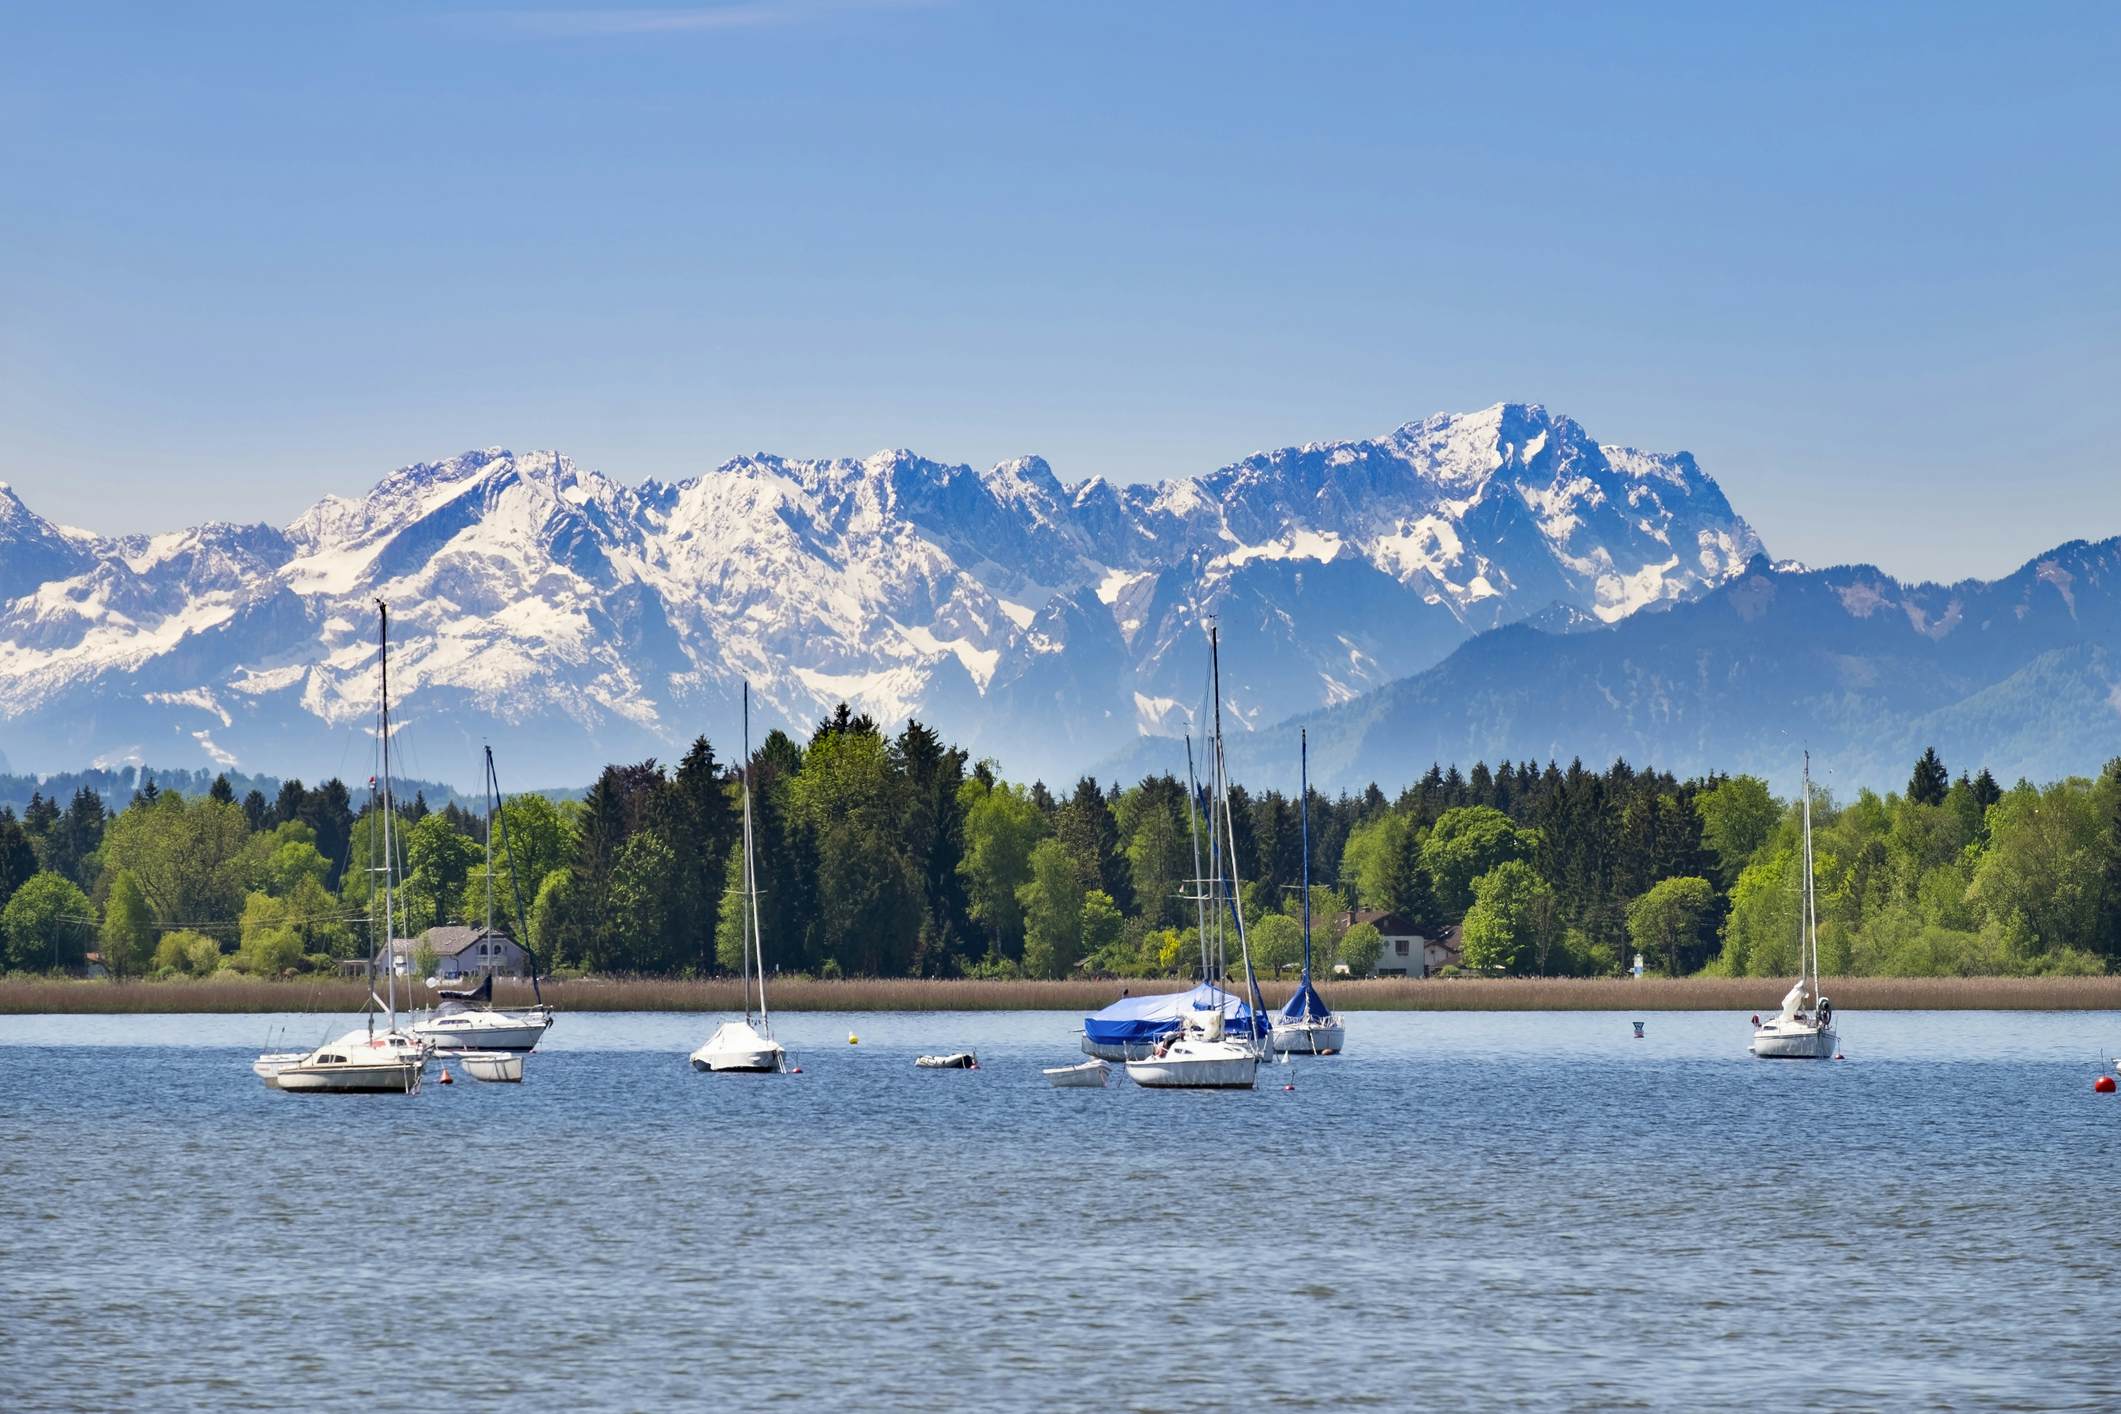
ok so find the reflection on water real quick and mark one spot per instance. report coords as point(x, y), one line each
point(1466, 1210)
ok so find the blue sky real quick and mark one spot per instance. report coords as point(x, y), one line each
point(1862, 264)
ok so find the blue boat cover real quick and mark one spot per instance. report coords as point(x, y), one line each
point(1136, 1019)
point(1306, 1005)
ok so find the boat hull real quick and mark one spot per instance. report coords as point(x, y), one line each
point(738, 1062)
point(1195, 1072)
point(1795, 1043)
point(1316, 1038)
point(397, 1077)
point(510, 1034)
point(504, 1067)
point(1090, 1075)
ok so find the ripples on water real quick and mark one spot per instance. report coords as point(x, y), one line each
point(1466, 1211)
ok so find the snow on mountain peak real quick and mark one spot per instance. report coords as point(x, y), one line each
point(1027, 617)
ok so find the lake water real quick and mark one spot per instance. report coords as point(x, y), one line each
point(1465, 1211)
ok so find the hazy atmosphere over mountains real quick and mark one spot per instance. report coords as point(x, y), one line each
point(575, 620)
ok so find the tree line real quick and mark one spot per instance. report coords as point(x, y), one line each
point(896, 854)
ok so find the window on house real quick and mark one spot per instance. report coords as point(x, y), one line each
point(1400, 947)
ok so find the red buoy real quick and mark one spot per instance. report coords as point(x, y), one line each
point(1286, 1088)
point(1756, 1020)
point(445, 1077)
point(797, 1071)
point(2104, 1085)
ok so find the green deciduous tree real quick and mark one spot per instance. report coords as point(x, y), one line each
point(1359, 949)
point(1052, 904)
point(128, 928)
point(1674, 921)
point(1466, 844)
point(48, 924)
point(1737, 816)
point(1001, 826)
point(1513, 920)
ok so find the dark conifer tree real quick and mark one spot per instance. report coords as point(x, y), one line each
point(930, 775)
point(1930, 780)
point(18, 861)
point(221, 791)
point(1085, 825)
point(255, 810)
point(287, 805)
point(39, 818)
point(329, 811)
point(76, 837)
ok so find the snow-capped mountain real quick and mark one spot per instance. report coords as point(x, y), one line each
point(574, 620)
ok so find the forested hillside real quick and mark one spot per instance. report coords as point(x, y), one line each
point(893, 855)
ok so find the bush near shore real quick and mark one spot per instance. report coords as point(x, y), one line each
point(22, 995)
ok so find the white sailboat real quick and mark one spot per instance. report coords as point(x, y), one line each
point(1307, 1026)
point(1202, 1055)
point(746, 1045)
point(1804, 1028)
point(364, 1061)
point(467, 1019)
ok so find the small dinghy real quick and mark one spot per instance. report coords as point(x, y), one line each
point(503, 1066)
point(1090, 1075)
point(956, 1060)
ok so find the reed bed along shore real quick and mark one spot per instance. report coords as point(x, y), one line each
point(31, 995)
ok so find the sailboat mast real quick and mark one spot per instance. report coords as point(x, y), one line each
point(746, 885)
point(1303, 814)
point(515, 884)
point(489, 843)
point(390, 859)
point(751, 878)
point(1200, 898)
point(1217, 815)
point(1811, 910)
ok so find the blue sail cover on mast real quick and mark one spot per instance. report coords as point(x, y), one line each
point(1140, 1020)
point(1306, 1005)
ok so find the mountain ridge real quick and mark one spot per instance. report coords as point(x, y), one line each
point(1042, 621)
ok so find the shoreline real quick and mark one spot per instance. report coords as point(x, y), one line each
point(67, 996)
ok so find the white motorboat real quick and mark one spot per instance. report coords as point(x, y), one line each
point(1307, 1026)
point(955, 1060)
point(1090, 1075)
point(1200, 1059)
point(358, 1063)
point(1804, 1028)
point(740, 1046)
point(746, 1045)
point(505, 1067)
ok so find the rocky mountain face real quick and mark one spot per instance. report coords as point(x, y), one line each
point(2021, 675)
point(573, 620)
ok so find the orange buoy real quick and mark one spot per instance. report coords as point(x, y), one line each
point(445, 1077)
point(2104, 1085)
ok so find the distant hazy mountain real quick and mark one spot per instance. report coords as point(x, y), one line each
point(2022, 675)
point(574, 620)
